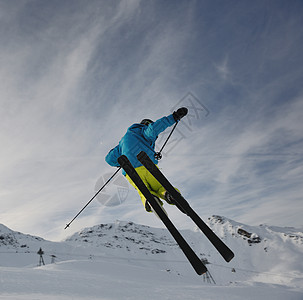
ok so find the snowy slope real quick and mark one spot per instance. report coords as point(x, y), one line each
point(124, 260)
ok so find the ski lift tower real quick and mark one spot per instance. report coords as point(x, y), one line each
point(41, 260)
point(53, 259)
point(207, 276)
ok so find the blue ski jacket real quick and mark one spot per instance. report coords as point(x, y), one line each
point(138, 138)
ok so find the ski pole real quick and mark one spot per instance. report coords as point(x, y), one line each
point(67, 225)
point(158, 155)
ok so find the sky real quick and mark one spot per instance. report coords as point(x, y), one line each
point(76, 74)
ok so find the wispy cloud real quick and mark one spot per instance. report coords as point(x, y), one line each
point(75, 75)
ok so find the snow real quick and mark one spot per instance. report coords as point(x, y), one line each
point(124, 260)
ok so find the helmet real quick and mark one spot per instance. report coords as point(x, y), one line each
point(146, 122)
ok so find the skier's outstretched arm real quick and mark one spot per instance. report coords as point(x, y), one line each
point(154, 129)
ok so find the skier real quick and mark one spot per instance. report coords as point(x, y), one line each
point(142, 137)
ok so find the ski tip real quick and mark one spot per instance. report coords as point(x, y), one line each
point(230, 256)
point(201, 270)
point(122, 160)
point(141, 155)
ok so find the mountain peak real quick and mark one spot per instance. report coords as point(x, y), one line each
point(126, 236)
point(15, 240)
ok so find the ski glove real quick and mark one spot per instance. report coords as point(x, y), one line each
point(180, 113)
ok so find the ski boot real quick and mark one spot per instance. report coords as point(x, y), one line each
point(170, 200)
point(149, 208)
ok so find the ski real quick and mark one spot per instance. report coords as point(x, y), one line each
point(194, 260)
point(222, 248)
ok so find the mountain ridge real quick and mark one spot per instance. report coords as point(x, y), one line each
point(259, 250)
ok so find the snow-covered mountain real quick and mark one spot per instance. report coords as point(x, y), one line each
point(133, 255)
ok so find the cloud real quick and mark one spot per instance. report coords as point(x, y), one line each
point(223, 69)
point(75, 75)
